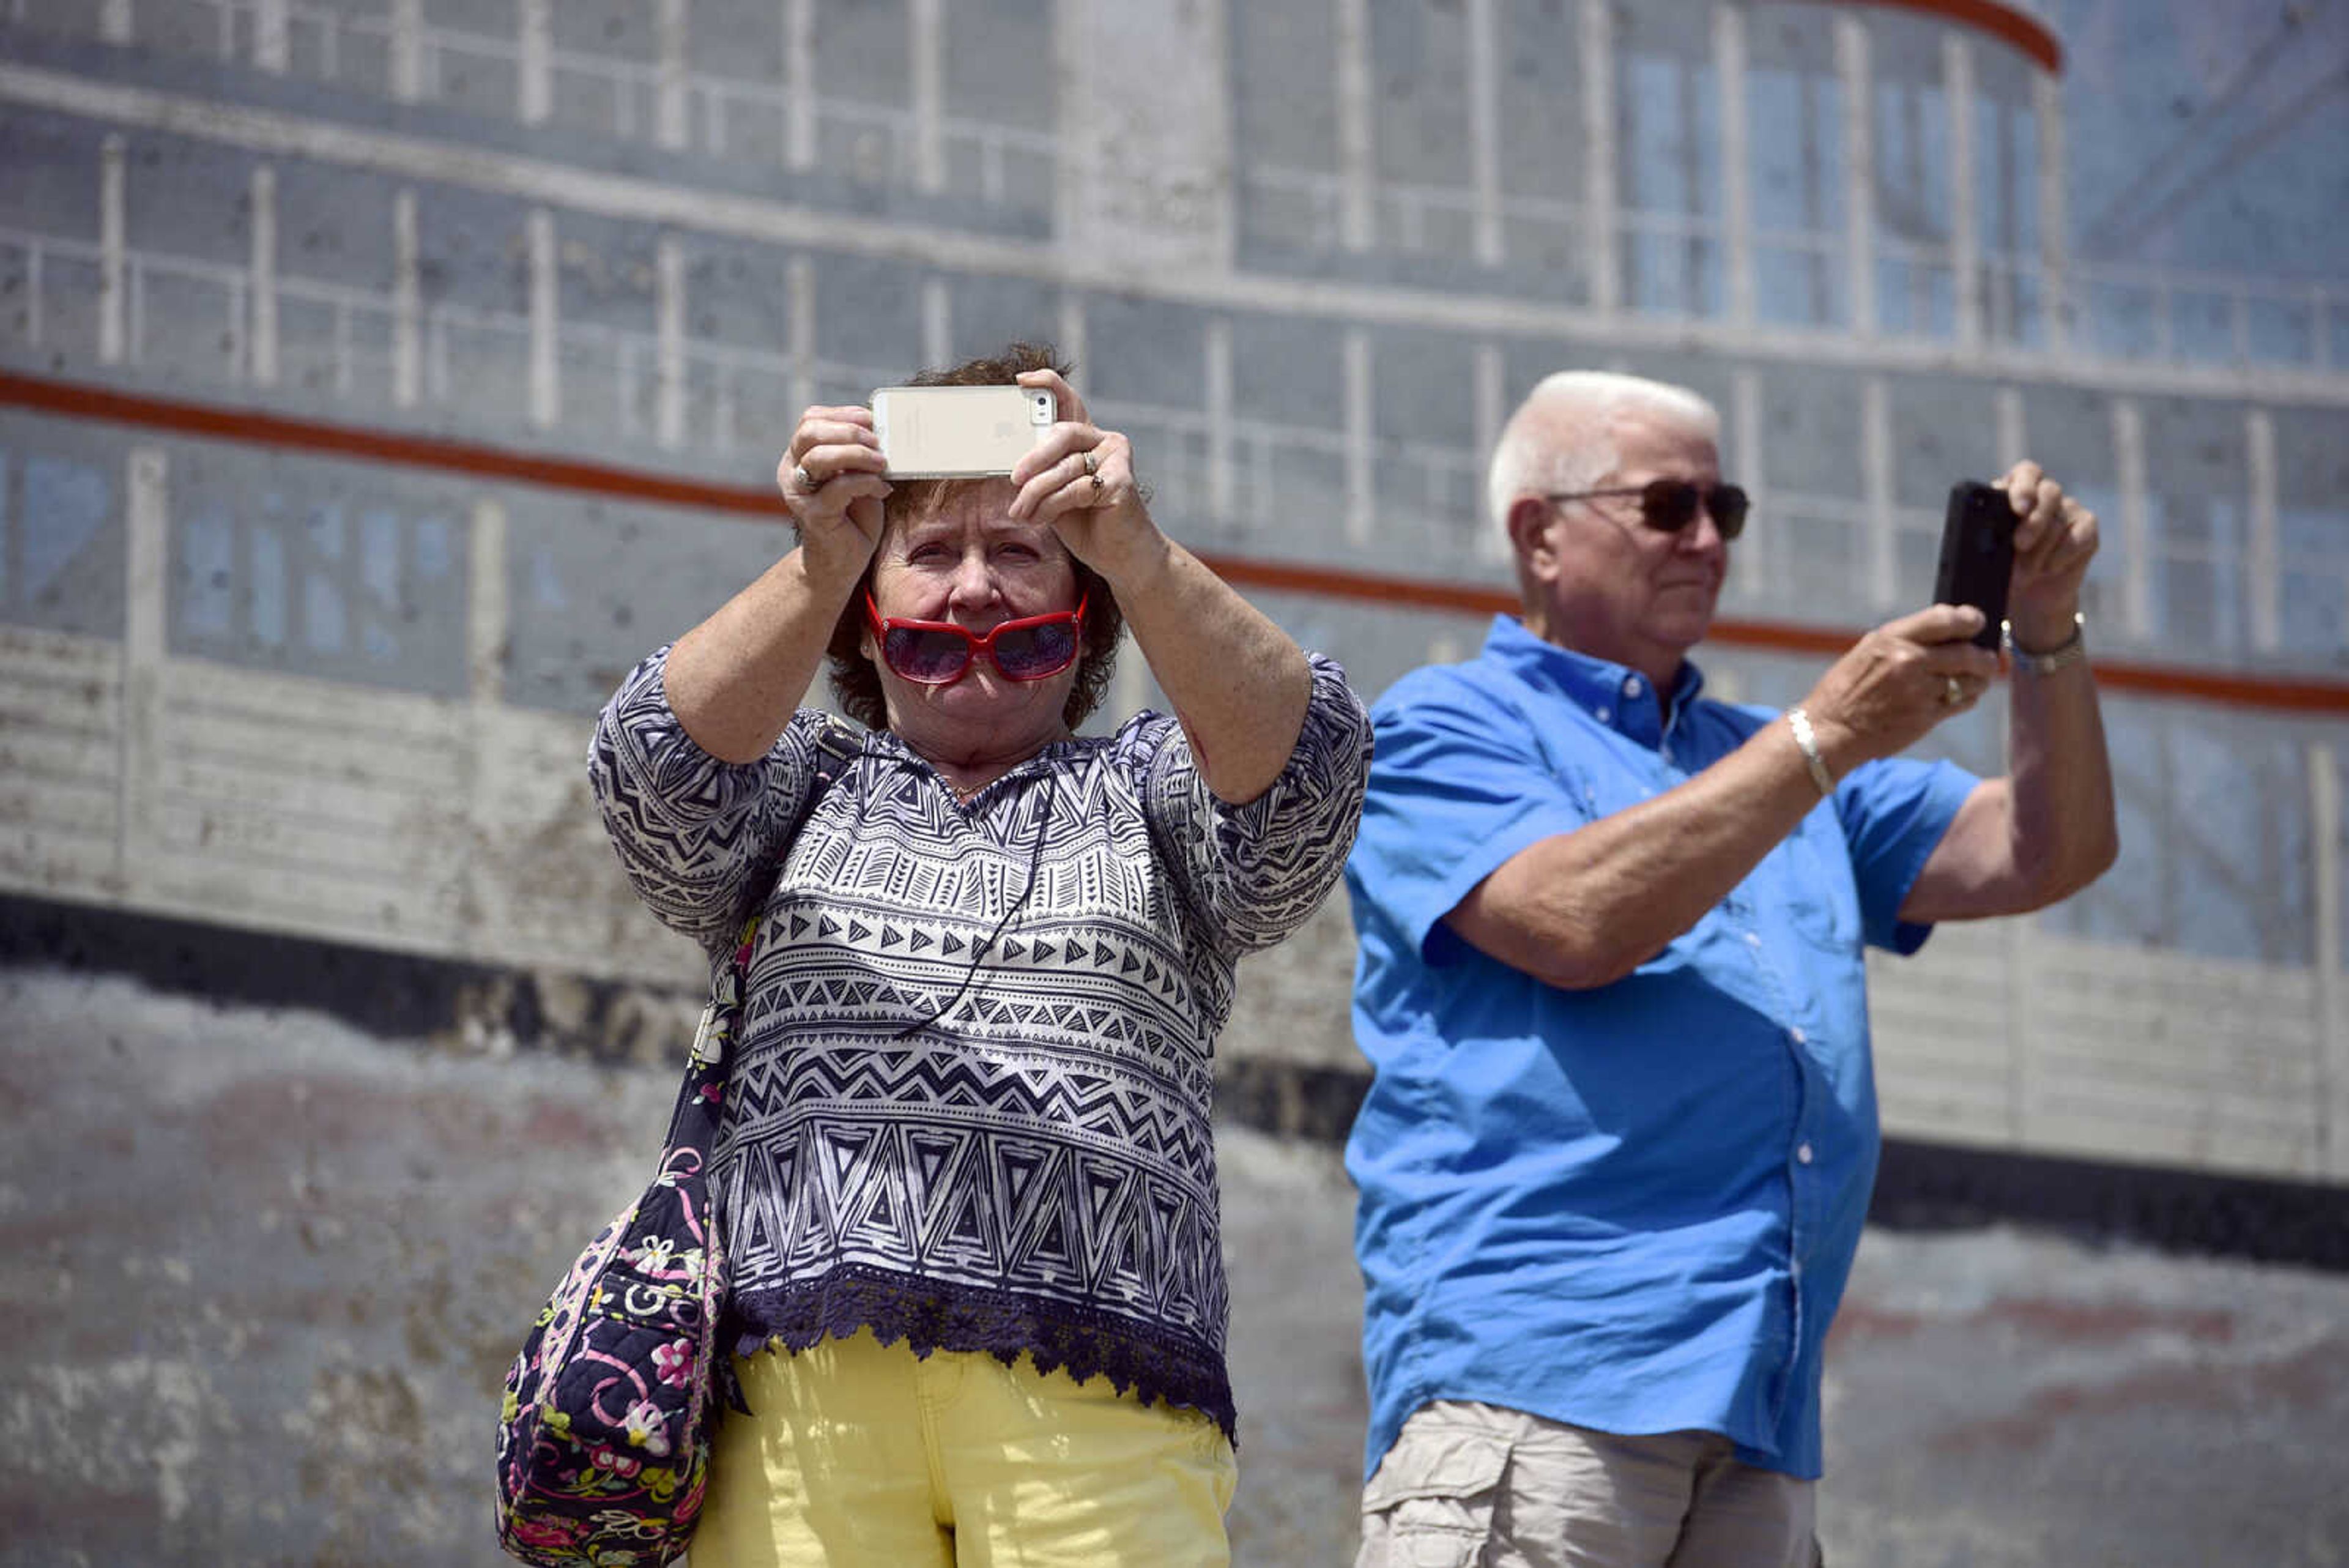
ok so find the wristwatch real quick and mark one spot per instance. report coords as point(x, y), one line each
point(2072, 650)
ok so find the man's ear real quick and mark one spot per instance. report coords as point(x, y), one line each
point(1531, 537)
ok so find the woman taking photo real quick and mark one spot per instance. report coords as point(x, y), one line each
point(967, 1178)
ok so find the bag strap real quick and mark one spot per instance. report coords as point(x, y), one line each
point(701, 1101)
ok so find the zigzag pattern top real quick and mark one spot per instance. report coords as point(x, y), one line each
point(973, 1104)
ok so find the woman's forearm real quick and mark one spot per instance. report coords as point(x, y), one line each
point(735, 679)
point(1238, 682)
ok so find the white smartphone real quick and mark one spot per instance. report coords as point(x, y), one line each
point(959, 432)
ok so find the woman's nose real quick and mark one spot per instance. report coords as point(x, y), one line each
point(974, 582)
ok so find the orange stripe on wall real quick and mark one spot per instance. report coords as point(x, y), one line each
point(446, 455)
point(2015, 26)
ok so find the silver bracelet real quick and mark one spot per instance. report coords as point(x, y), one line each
point(2072, 650)
point(1800, 722)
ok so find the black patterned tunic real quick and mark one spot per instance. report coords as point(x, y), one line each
point(972, 1107)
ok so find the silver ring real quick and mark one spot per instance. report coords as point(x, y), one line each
point(1092, 467)
point(1953, 692)
point(807, 480)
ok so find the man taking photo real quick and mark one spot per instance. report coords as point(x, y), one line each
point(1616, 1156)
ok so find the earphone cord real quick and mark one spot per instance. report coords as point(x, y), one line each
point(1035, 860)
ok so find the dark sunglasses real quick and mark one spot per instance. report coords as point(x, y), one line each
point(937, 652)
point(1670, 504)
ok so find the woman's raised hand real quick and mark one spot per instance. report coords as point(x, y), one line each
point(830, 477)
point(1081, 481)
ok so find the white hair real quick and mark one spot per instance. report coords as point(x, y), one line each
point(1562, 437)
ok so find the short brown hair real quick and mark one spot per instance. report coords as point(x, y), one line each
point(856, 682)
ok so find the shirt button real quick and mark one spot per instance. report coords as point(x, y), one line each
point(1631, 686)
point(1803, 1153)
point(1606, 715)
point(1753, 939)
point(1796, 1035)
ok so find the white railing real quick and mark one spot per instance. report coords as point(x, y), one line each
point(1417, 220)
point(723, 115)
point(2137, 312)
point(202, 304)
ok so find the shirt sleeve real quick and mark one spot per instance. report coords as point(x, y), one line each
point(697, 836)
point(1460, 785)
point(1253, 873)
point(1894, 812)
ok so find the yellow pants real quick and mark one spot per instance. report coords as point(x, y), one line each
point(859, 1453)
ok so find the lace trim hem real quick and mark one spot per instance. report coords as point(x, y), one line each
point(1151, 1365)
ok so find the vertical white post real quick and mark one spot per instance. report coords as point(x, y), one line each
point(1965, 217)
point(114, 21)
point(1759, 550)
point(926, 49)
point(273, 42)
point(407, 304)
point(113, 273)
point(535, 59)
point(1853, 68)
point(2013, 437)
point(1736, 159)
point(264, 272)
point(799, 296)
point(668, 310)
point(1357, 147)
point(406, 50)
point(485, 604)
point(1598, 42)
point(1220, 486)
point(1492, 391)
point(2054, 305)
point(146, 644)
point(671, 126)
point(1072, 342)
point(1875, 461)
point(2332, 1041)
point(937, 322)
point(1360, 483)
point(545, 323)
point(488, 729)
point(799, 84)
point(2135, 519)
point(2263, 552)
point(1485, 128)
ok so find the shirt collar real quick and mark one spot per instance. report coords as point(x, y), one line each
point(1615, 694)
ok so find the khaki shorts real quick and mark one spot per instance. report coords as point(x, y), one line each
point(1477, 1486)
point(861, 1456)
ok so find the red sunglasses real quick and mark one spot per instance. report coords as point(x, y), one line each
point(938, 652)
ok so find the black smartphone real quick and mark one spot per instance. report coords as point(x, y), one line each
point(1977, 554)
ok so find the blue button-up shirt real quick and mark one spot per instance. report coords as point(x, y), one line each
point(1632, 1207)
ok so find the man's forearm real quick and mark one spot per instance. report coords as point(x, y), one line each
point(1585, 909)
point(2061, 819)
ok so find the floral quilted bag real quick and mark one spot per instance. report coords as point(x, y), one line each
point(603, 1438)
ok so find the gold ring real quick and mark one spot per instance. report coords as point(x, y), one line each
point(1953, 692)
point(1097, 486)
point(1092, 467)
